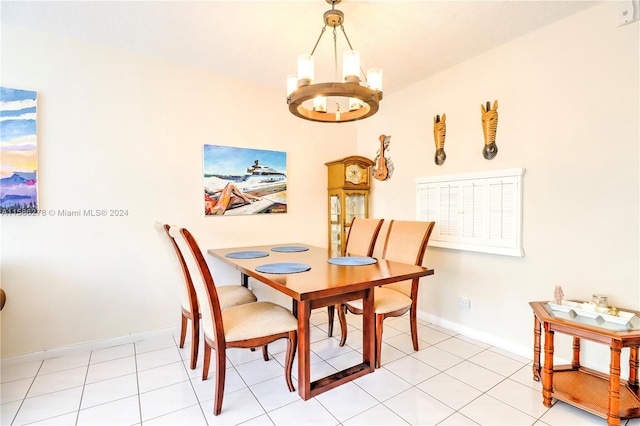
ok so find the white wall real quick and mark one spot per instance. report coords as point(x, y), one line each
point(118, 130)
point(568, 112)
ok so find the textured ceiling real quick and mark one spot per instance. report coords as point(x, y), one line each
point(260, 40)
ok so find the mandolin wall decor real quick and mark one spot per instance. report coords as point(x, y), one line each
point(439, 133)
point(383, 166)
point(489, 128)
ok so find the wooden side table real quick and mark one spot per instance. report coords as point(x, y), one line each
point(604, 395)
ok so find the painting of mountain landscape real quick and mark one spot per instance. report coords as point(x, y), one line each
point(241, 181)
point(18, 151)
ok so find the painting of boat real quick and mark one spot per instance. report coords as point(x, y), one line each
point(241, 181)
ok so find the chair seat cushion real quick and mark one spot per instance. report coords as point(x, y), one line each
point(234, 295)
point(256, 320)
point(385, 300)
point(230, 296)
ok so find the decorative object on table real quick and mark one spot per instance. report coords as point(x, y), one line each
point(383, 166)
point(352, 260)
point(613, 311)
point(242, 181)
point(591, 311)
point(348, 97)
point(290, 249)
point(348, 188)
point(249, 254)
point(558, 294)
point(489, 128)
point(283, 268)
point(439, 133)
point(600, 300)
point(18, 143)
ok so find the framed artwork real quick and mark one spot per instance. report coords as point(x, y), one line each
point(242, 181)
point(18, 149)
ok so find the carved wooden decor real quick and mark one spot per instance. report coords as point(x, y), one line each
point(489, 127)
point(383, 167)
point(439, 133)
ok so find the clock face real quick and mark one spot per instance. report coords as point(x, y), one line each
point(354, 173)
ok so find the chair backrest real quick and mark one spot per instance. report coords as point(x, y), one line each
point(362, 236)
point(188, 297)
point(406, 242)
point(203, 284)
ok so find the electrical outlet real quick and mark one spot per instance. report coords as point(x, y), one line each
point(465, 303)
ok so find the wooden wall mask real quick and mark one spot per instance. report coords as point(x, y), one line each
point(489, 128)
point(439, 133)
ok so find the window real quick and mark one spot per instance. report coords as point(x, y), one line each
point(476, 211)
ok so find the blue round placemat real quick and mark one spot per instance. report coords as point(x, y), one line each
point(283, 268)
point(352, 261)
point(290, 249)
point(247, 254)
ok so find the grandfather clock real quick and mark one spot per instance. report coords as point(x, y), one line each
point(348, 198)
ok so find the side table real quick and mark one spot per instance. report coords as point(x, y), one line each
point(604, 395)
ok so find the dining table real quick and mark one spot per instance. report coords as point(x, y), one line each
point(313, 279)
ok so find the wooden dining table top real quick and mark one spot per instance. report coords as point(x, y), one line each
point(323, 279)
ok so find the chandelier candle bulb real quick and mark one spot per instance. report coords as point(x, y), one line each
point(292, 83)
point(305, 70)
point(354, 104)
point(351, 66)
point(374, 77)
point(320, 104)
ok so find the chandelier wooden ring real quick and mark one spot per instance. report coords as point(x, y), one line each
point(371, 99)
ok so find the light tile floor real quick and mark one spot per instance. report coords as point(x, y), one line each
point(452, 380)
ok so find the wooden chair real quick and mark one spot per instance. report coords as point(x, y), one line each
point(245, 326)
point(231, 295)
point(360, 242)
point(406, 242)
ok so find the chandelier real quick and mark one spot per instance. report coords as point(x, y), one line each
point(348, 100)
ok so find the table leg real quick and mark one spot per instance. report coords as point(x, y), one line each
point(613, 413)
point(575, 363)
point(368, 330)
point(304, 350)
point(536, 349)
point(547, 372)
point(245, 279)
point(634, 364)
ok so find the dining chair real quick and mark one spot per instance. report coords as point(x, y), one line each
point(406, 242)
point(250, 325)
point(361, 240)
point(230, 295)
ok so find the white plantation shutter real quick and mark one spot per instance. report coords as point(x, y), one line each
point(447, 215)
point(427, 203)
point(473, 210)
point(477, 212)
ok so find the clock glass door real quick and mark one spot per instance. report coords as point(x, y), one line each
point(355, 206)
point(335, 226)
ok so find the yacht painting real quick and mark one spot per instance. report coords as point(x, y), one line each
point(240, 181)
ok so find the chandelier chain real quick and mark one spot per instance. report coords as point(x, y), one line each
point(319, 37)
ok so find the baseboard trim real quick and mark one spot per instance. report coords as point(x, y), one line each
point(520, 350)
point(523, 351)
point(88, 346)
